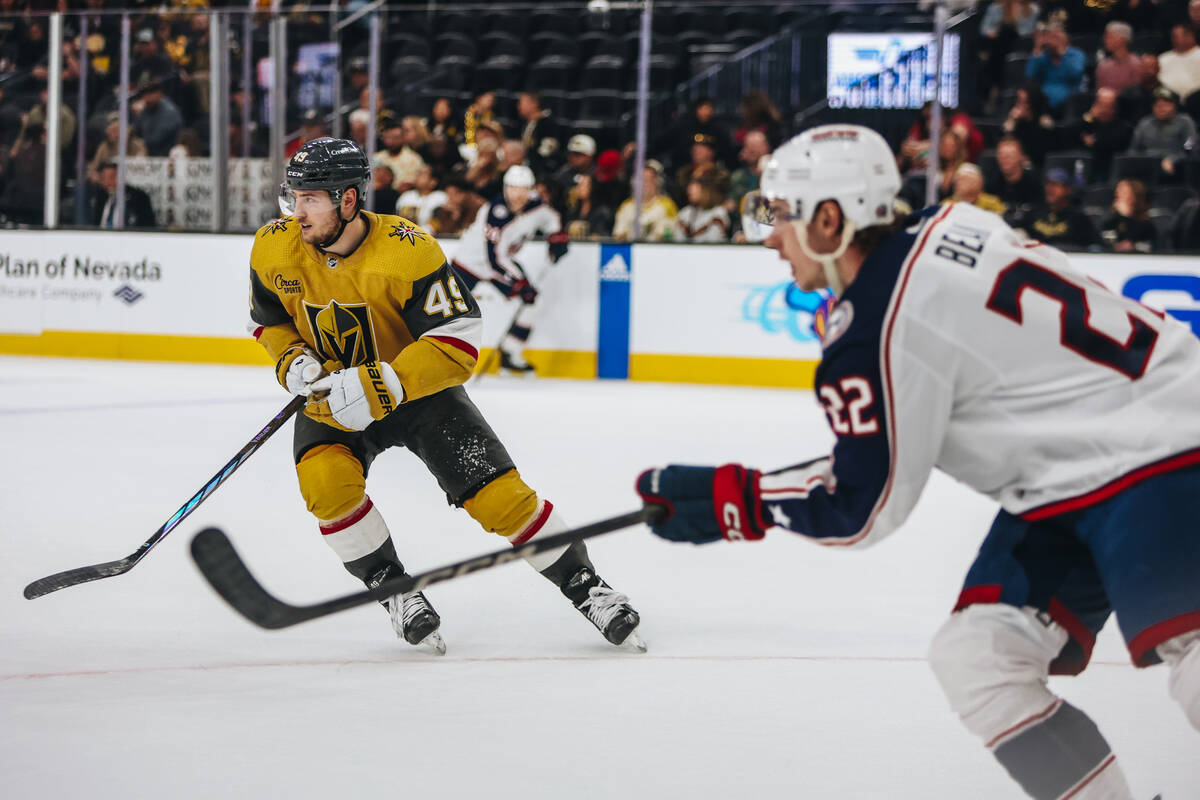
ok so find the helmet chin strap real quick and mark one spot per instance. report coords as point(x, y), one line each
point(341, 228)
point(828, 261)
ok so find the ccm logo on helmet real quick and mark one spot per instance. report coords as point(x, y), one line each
point(733, 522)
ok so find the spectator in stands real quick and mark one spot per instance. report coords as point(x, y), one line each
point(1029, 122)
point(968, 188)
point(704, 218)
point(149, 62)
point(484, 172)
point(701, 121)
point(459, 211)
point(1179, 67)
point(1194, 14)
point(1164, 133)
point(581, 155)
point(139, 213)
point(442, 154)
point(156, 119)
point(421, 202)
point(745, 178)
point(1185, 226)
point(704, 165)
point(1103, 133)
point(1128, 227)
point(23, 175)
point(479, 112)
point(382, 197)
point(107, 151)
point(539, 134)
point(758, 114)
point(1056, 66)
point(187, 144)
point(1120, 69)
point(357, 77)
point(914, 150)
point(658, 210)
point(441, 120)
point(952, 154)
point(1005, 23)
point(609, 187)
point(512, 154)
point(401, 140)
point(584, 216)
point(312, 126)
point(1136, 101)
point(1059, 222)
point(1013, 183)
point(360, 123)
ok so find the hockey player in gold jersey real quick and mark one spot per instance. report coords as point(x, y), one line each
point(362, 314)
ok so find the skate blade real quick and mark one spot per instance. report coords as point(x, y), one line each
point(634, 642)
point(434, 643)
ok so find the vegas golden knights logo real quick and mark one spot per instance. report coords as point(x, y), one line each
point(342, 332)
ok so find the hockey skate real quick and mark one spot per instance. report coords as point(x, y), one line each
point(413, 618)
point(514, 363)
point(605, 608)
point(415, 621)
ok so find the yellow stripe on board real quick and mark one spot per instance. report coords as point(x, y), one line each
point(135, 347)
point(778, 372)
point(549, 363)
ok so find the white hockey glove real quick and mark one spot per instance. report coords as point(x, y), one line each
point(351, 399)
point(299, 368)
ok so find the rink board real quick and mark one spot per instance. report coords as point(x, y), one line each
point(703, 314)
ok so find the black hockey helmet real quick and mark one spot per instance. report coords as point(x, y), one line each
point(330, 164)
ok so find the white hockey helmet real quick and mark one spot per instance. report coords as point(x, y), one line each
point(847, 163)
point(520, 176)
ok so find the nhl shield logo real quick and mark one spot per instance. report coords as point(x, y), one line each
point(332, 262)
point(342, 332)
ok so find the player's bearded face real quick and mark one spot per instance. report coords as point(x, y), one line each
point(316, 215)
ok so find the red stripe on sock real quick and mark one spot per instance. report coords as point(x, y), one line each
point(1079, 786)
point(1025, 723)
point(535, 526)
point(346, 522)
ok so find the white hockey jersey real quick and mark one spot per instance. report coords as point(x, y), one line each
point(489, 247)
point(962, 346)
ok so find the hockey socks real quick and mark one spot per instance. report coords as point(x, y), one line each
point(362, 541)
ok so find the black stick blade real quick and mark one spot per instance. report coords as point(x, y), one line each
point(224, 569)
point(74, 577)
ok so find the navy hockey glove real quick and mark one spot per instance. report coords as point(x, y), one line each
point(558, 245)
point(704, 504)
point(526, 291)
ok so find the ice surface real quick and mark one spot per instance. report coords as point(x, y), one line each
point(776, 669)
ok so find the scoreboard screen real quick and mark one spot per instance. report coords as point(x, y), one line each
point(889, 70)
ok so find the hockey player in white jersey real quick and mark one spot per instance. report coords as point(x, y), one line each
point(489, 249)
point(954, 343)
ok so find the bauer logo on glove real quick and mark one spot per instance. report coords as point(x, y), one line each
point(351, 399)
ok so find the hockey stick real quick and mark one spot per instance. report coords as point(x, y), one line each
point(74, 577)
point(224, 569)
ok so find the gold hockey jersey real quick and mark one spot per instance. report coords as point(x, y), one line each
point(394, 299)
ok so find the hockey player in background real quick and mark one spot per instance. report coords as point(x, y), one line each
point(955, 343)
point(488, 252)
point(361, 313)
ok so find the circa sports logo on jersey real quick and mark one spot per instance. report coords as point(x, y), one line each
point(408, 232)
point(287, 286)
point(342, 332)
